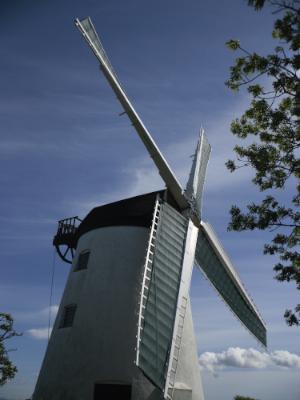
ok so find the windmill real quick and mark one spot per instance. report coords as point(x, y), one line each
point(124, 327)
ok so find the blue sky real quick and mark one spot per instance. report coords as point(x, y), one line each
point(64, 149)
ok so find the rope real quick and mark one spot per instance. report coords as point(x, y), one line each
point(51, 292)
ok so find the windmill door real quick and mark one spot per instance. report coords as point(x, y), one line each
point(112, 391)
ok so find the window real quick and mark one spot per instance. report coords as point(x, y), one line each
point(83, 260)
point(112, 391)
point(68, 316)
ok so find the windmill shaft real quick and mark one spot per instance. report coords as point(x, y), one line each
point(163, 168)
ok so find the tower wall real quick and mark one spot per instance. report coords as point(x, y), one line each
point(99, 347)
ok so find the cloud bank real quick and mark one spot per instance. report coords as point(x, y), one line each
point(37, 316)
point(247, 358)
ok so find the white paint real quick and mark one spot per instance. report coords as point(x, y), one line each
point(100, 346)
point(163, 167)
point(146, 274)
point(188, 370)
point(183, 295)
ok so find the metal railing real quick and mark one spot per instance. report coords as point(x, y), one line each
point(67, 226)
point(65, 240)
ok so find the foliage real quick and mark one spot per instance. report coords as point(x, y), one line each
point(272, 121)
point(7, 369)
point(242, 398)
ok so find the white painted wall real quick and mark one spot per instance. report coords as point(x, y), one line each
point(100, 346)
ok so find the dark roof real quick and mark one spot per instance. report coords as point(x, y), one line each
point(135, 211)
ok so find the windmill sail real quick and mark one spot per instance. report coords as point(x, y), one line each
point(164, 295)
point(182, 305)
point(194, 187)
point(213, 261)
point(89, 33)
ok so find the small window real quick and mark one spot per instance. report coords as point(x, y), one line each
point(68, 316)
point(83, 260)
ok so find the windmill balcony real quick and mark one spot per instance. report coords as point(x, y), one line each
point(65, 240)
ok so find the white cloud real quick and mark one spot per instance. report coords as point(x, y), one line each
point(283, 358)
point(37, 316)
point(248, 358)
point(39, 333)
point(53, 310)
point(42, 333)
point(145, 178)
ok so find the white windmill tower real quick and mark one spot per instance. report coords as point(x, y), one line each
point(124, 328)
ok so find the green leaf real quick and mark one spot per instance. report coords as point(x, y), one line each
point(233, 44)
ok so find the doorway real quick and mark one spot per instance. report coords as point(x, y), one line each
point(109, 391)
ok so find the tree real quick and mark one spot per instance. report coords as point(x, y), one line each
point(7, 369)
point(272, 121)
point(242, 398)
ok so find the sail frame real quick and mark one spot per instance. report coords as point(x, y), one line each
point(163, 167)
point(182, 301)
point(216, 262)
point(195, 184)
point(169, 259)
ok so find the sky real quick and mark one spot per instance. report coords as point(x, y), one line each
point(64, 149)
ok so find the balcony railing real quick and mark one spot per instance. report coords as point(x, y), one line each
point(65, 239)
